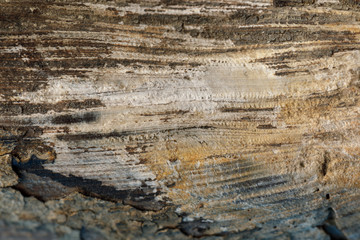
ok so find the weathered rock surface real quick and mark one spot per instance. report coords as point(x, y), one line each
point(177, 119)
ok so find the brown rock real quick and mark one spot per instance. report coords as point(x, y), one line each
point(7, 176)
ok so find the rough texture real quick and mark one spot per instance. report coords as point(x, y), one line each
point(180, 119)
point(7, 176)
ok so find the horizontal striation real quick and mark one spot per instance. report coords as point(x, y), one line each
point(244, 115)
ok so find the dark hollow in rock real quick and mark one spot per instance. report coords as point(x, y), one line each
point(284, 3)
point(195, 228)
point(45, 184)
point(75, 118)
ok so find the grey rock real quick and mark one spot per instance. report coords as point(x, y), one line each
point(91, 234)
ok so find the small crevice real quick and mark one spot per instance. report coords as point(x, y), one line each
point(325, 164)
point(330, 227)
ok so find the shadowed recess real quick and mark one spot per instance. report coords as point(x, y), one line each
point(41, 188)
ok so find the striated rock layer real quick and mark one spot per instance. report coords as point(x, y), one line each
point(214, 119)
